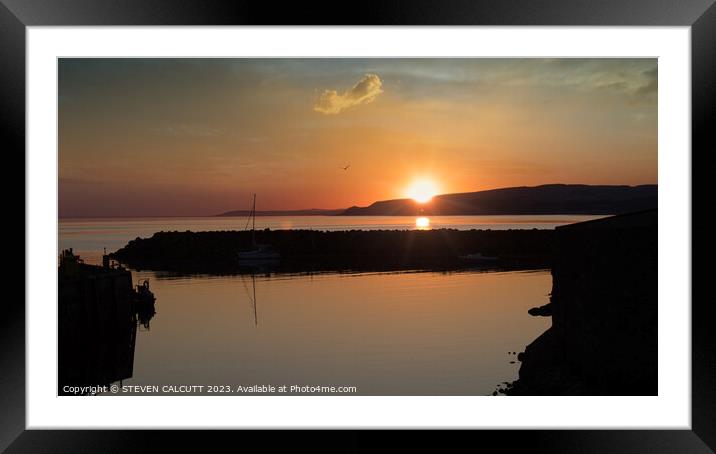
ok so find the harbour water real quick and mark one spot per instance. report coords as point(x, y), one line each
point(417, 333)
point(384, 334)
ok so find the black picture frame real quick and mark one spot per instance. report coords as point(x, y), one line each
point(16, 15)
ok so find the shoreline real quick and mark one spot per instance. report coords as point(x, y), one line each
point(603, 338)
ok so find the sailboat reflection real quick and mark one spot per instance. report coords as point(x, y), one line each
point(252, 296)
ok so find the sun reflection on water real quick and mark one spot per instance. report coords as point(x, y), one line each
point(422, 223)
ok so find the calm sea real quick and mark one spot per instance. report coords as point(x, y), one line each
point(382, 333)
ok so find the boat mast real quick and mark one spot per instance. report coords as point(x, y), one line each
point(253, 225)
point(256, 317)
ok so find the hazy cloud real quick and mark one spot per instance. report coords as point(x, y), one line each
point(365, 91)
point(650, 84)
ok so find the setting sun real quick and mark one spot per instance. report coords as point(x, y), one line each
point(422, 191)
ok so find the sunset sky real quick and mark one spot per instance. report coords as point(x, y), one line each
point(190, 137)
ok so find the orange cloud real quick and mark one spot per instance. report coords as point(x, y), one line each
point(364, 92)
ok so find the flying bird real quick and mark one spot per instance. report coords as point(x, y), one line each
point(346, 167)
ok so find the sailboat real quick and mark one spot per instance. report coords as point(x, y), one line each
point(259, 253)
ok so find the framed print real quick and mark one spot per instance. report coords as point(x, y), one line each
point(477, 216)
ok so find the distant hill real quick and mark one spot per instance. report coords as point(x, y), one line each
point(309, 212)
point(545, 199)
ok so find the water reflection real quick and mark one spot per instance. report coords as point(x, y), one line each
point(385, 333)
point(144, 308)
point(252, 296)
point(422, 223)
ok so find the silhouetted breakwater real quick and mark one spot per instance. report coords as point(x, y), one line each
point(358, 250)
point(603, 339)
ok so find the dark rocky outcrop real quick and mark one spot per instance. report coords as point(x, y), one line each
point(541, 311)
point(603, 339)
